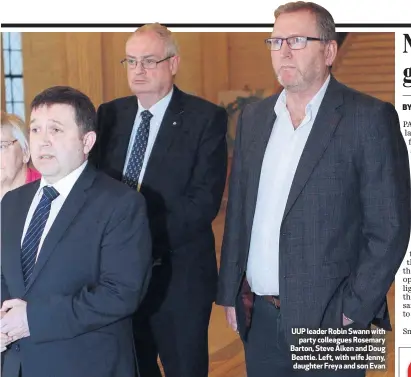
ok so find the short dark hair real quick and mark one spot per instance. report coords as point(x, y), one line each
point(85, 112)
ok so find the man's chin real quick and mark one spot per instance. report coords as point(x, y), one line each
point(140, 88)
point(289, 82)
point(45, 169)
point(292, 86)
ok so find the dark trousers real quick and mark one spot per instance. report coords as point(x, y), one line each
point(266, 352)
point(172, 323)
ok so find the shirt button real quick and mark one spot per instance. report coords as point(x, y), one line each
point(17, 348)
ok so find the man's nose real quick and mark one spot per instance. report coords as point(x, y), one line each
point(139, 69)
point(285, 50)
point(44, 138)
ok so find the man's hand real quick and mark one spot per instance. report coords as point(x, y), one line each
point(14, 323)
point(231, 317)
point(346, 321)
point(5, 339)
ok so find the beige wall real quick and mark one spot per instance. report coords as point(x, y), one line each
point(250, 61)
point(62, 59)
point(210, 62)
point(367, 63)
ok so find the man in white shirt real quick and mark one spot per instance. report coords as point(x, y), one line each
point(318, 213)
point(76, 253)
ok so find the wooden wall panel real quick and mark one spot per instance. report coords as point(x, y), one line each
point(62, 59)
point(84, 68)
point(250, 62)
point(369, 60)
point(370, 36)
point(367, 63)
point(190, 75)
point(361, 70)
point(215, 64)
point(44, 63)
point(210, 63)
point(114, 74)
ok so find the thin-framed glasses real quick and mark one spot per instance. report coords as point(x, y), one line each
point(4, 145)
point(295, 43)
point(146, 63)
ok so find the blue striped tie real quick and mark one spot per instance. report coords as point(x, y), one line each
point(34, 232)
point(138, 152)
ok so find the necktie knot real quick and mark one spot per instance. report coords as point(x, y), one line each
point(50, 193)
point(146, 115)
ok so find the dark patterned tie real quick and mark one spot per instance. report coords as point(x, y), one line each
point(35, 230)
point(135, 162)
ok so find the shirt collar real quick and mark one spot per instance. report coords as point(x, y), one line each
point(314, 104)
point(65, 184)
point(159, 107)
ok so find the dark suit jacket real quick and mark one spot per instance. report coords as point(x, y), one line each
point(90, 276)
point(346, 224)
point(184, 179)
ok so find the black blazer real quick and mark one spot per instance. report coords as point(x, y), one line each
point(346, 224)
point(185, 175)
point(90, 276)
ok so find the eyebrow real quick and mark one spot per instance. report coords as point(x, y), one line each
point(53, 120)
point(291, 35)
point(144, 56)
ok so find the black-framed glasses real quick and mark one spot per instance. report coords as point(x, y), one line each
point(6, 144)
point(146, 63)
point(295, 43)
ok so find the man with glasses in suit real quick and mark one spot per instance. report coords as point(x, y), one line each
point(318, 217)
point(170, 146)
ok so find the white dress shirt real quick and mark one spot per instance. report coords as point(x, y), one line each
point(158, 110)
point(63, 186)
point(281, 158)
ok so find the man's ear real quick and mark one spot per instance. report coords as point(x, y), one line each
point(89, 139)
point(330, 52)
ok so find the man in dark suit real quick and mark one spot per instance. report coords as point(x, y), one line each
point(318, 217)
point(76, 253)
point(172, 147)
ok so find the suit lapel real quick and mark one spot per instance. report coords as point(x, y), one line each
point(171, 124)
point(264, 125)
point(321, 133)
point(17, 232)
point(125, 123)
point(71, 207)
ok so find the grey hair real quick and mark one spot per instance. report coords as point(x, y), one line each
point(325, 21)
point(18, 129)
point(164, 34)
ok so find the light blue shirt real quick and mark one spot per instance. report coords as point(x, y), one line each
point(281, 159)
point(158, 110)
